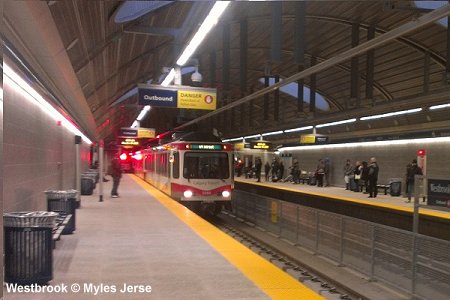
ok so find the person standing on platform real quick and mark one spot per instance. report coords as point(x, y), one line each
point(348, 170)
point(326, 170)
point(116, 174)
point(258, 166)
point(320, 171)
point(267, 170)
point(373, 177)
point(411, 171)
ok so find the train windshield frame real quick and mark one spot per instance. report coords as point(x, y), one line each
point(206, 165)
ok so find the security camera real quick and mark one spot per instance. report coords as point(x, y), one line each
point(196, 77)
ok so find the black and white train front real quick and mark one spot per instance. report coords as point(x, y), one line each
point(195, 173)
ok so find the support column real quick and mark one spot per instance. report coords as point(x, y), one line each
point(100, 169)
point(299, 51)
point(266, 99)
point(277, 23)
point(77, 167)
point(312, 87)
point(226, 72)
point(354, 80)
point(276, 102)
point(426, 73)
point(370, 67)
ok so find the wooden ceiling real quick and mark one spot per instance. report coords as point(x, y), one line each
point(109, 59)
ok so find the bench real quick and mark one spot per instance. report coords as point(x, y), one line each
point(61, 221)
point(385, 187)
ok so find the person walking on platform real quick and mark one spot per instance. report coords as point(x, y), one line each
point(267, 170)
point(411, 171)
point(116, 174)
point(258, 165)
point(348, 171)
point(326, 170)
point(295, 171)
point(373, 177)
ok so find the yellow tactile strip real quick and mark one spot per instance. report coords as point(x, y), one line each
point(270, 279)
point(423, 211)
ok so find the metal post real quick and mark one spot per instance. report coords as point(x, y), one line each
point(101, 147)
point(297, 226)
point(415, 232)
point(77, 167)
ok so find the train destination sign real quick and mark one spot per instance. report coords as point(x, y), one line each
point(177, 96)
point(260, 145)
point(205, 147)
point(438, 192)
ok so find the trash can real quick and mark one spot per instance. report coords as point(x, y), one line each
point(87, 184)
point(28, 246)
point(66, 202)
point(94, 173)
point(395, 187)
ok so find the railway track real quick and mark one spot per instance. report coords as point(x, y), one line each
point(329, 289)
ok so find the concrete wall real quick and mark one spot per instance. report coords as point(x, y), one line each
point(38, 154)
point(392, 159)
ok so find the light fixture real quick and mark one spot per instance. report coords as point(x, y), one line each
point(143, 112)
point(299, 129)
point(135, 124)
point(233, 139)
point(209, 22)
point(336, 123)
point(169, 78)
point(21, 86)
point(252, 136)
point(440, 106)
point(445, 139)
point(391, 114)
point(272, 133)
point(188, 194)
point(226, 194)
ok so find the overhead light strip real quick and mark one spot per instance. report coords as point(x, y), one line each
point(336, 123)
point(299, 129)
point(252, 136)
point(391, 114)
point(369, 144)
point(272, 133)
point(209, 22)
point(440, 106)
point(25, 89)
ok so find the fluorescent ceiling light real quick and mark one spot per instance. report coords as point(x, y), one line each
point(369, 144)
point(336, 123)
point(169, 78)
point(135, 124)
point(299, 129)
point(21, 86)
point(209, 22)
point(272, 133)
point(440, 106)
point(252, 136)
point(391, 114)
point(236, 139)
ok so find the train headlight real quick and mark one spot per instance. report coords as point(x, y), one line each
point(188, 194)
point(226, 194)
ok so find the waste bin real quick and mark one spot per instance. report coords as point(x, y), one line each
point(28, 246)
point(87, 184)
point(94, 173)
point(395, 187)
point(66, 202)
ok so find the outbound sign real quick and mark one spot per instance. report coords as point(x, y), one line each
point(177, 97)
point(144, 133)
point(311, 139)
point(438, 192)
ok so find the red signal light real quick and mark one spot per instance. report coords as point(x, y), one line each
point(123, 156)
point(421, 152)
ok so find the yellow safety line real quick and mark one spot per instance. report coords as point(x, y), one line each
point(423, 211)
point(270, 279)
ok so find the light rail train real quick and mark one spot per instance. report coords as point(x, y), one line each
point(197, 173)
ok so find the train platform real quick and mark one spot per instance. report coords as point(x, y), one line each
point(143, 245)
point(386, 201)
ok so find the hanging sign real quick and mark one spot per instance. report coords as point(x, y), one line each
point(260, 145)
point(438, 192)
point(177, 96)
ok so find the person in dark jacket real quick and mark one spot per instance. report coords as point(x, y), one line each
point(411, 171)
point(320, 172)
point(267, 170)
point(258, 165)
point(373, 177)
point(116, 174)
point(364, 181)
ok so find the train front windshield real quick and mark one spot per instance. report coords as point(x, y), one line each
point(206, 165)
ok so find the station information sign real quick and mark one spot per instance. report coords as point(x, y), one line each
point(177, 96)
point(438, 192)
point(259, 145)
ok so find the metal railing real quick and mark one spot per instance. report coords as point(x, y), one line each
point(417, 264)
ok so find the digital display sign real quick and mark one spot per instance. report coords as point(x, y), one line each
point(128, 142)
point(260, 145)
point(205, 147)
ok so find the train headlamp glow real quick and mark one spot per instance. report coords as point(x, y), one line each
point(188, 194)
point(226, 194)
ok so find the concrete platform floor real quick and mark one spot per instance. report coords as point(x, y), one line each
point(134, 240)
